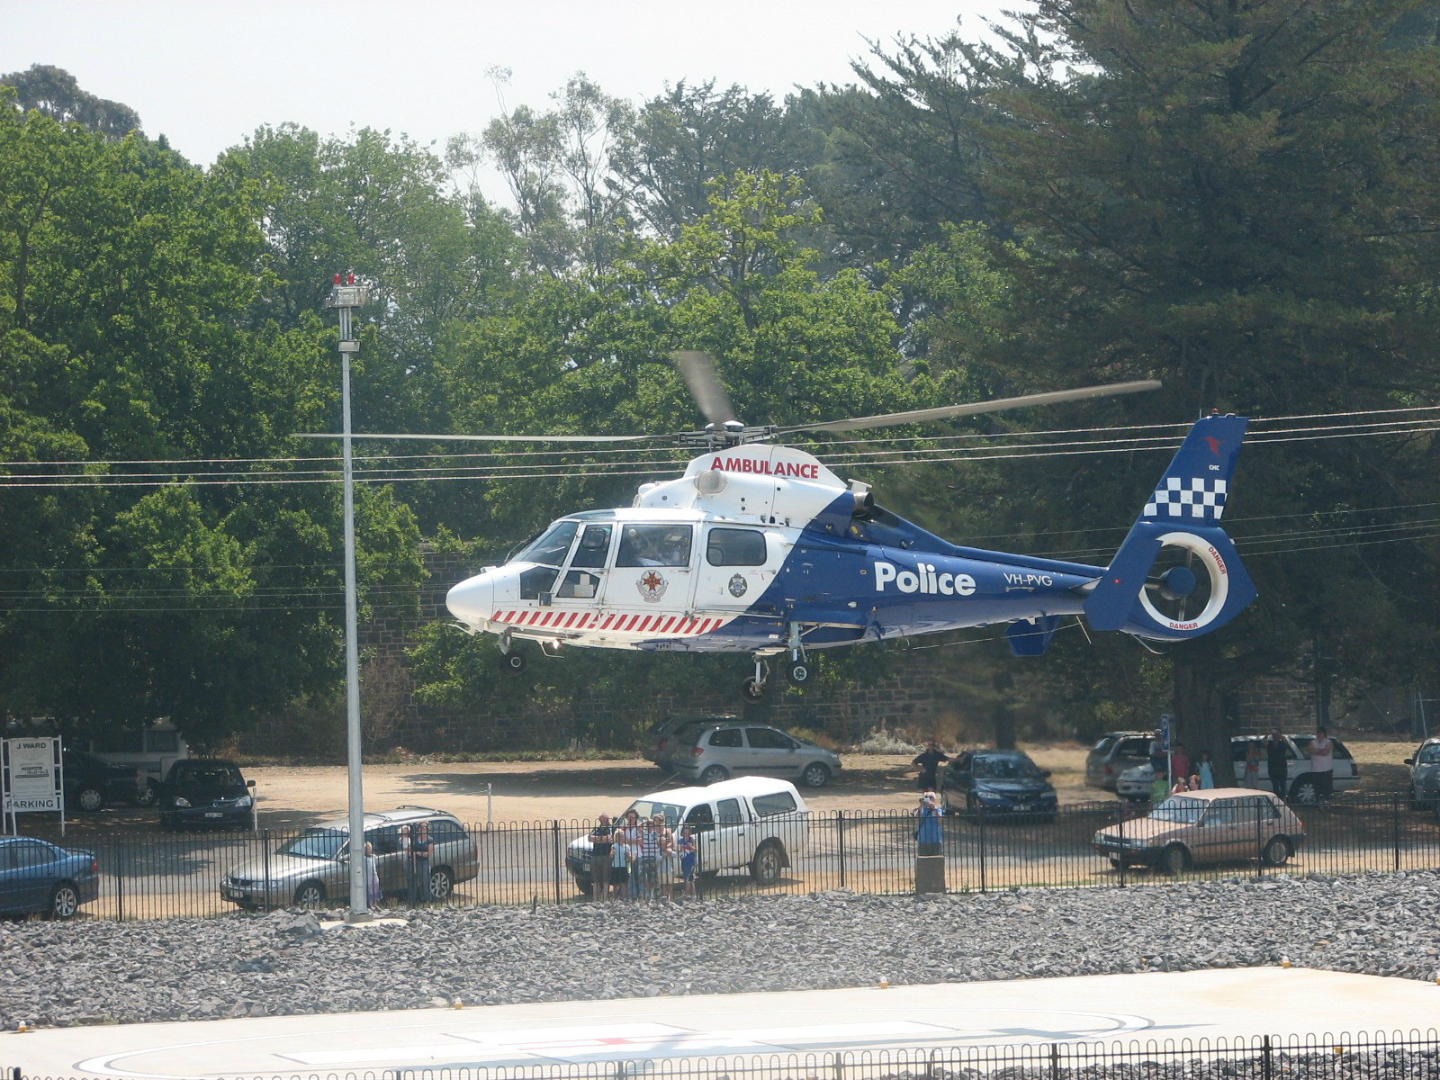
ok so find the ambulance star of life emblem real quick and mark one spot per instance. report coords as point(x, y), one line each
point(738, 585)
point(652, 586)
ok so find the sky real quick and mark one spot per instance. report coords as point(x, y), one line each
point(207, 73)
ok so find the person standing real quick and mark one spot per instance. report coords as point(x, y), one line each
point(689, 856)
point(420, 865)
point(404, 849)
point(1180, 763)
point(601, 851)
point(669, 862)
point(1205, 769)
point(1322, 763)
point(648, 865)
point(928, 835)
point(930, 759)
point(372, 877)
point(1251, 777)
point(1277, 761)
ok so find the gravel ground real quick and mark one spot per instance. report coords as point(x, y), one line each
point(282, 963)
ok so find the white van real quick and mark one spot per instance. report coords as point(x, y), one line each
point(755, 823)
point(151, 750)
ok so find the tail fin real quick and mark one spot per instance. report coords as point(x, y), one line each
point(1182, 514)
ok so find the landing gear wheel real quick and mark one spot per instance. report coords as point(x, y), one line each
point(801, 672)
point(754, 687)
point(513, 662)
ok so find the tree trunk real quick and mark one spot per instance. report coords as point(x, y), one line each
point(1200, 721)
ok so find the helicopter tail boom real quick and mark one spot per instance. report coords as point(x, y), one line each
point(1177, 575)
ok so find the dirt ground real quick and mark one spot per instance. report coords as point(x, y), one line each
point(577, 790)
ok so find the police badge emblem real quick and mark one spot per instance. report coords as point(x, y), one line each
point(652, 587)
point(738, 585)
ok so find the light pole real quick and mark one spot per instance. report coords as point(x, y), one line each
point(345, 297)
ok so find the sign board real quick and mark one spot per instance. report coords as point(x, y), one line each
point(1165, 732)
point(32, 775)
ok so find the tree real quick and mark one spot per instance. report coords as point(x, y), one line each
point(54, 92)
point(1239, 199)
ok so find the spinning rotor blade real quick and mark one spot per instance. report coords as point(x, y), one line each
point(491, 438)
point(978, 408)
point(698, 371)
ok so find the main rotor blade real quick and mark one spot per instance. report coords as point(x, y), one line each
point(978, 408)
point(698, 371)
point(489, 438)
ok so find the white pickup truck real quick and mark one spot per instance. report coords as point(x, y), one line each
point(754, 823)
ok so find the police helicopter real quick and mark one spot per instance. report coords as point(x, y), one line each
point(760, 548)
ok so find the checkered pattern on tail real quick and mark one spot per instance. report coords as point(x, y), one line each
point(1187, 497)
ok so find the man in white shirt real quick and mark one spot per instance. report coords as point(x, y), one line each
point(1322, 763)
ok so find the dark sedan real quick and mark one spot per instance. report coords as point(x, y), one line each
point(999, 782)
point(206, 792)
point(37, 877)
point(92, 782)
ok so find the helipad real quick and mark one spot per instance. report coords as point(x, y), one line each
point(1140, 1008)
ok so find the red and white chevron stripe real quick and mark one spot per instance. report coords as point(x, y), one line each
point(594, 622)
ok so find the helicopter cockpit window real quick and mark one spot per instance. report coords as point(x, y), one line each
point(552, 547)
point(537, 580)
point(735, 547)
point(594, 546)
point(654, 545)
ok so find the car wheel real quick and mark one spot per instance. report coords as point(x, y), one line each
point(768, 862)
point(585, 885)
point(441, 885)
point(714, 774)
point(815, 775)
point(1114, 863)
point(310, 895)
point(1305, 793)
point(145, 795)
point(1277, 851)
point(1173, 860)
point(90, 799)
point(64, 901)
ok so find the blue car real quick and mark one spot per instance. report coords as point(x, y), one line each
point(37, 877)
point(999, 782)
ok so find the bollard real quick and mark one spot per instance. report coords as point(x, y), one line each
point(929, 870)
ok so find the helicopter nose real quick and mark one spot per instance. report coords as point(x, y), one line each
point(473, 600)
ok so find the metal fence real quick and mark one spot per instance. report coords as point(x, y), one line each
point(1378, 1056)
point(160, 875)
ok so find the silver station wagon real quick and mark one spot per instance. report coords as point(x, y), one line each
point(313, 869)
point(719, 751)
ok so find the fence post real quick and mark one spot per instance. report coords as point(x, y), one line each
point(980, 821)
point(840, 826)
point(1265, 1065)
point(559, 861)
point(1395, 827)
point(265, 854)
point(1260, 851)
point(1054, 1061)
point(1123, 849)
point(119, 886)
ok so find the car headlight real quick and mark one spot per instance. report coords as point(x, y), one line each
point(182, 802)
point(244, 802)
point(992, 796)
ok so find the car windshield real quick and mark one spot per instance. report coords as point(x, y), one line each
point(1429, 755)
point(551, 547)
point(1180, 810)
point(1005, 768)
point(210, 775)
point(317, 844)
point(649, 808)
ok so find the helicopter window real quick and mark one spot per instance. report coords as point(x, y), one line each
point(552, 547)
point(537, 580)
point(654, 545)
point(594, 546)
point(735, 547)
point(579, 585)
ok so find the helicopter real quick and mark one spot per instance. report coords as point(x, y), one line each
point(760, 548)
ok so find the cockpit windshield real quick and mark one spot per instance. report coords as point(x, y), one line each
point(551, 547)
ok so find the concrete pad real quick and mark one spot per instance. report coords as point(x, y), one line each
point(1211, 1005)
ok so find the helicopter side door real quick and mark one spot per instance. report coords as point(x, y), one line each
point(650, 576)
point(582, 583)
point(736, 566)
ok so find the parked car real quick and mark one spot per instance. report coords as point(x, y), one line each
point(1425, 775)
point(206, 792)
point(1113, 754)
point(92, 783)
point(719, 751)
point(37, 877)
point(151, 750)
point(998, 782)
point(313, 869)
point(1134, 784)
point(1199, 827)
point(753, 823)
point(663, 740)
